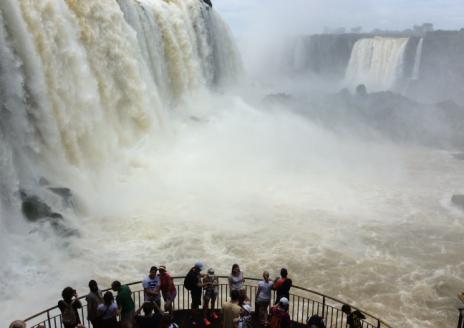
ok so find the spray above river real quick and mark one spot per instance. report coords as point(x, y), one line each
point(131, 135)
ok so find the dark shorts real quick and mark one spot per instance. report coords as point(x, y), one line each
point(210, 295)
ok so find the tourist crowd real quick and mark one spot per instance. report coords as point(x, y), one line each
point(106, 311)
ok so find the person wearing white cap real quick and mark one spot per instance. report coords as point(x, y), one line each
point(279, 314)
point(210, 287)
point(168, 289)
point(245, 319)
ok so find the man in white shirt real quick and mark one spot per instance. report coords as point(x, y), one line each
point(151, 287)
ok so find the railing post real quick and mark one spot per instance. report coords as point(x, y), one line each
point(323, 307)
point(378, 323)
point(461, 319)
point(48, 317)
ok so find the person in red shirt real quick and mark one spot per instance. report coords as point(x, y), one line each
point(279, 314)
point(168, 289)
point(282, 285)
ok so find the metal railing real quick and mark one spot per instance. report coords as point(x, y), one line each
point(303, 303)
point(461, 318)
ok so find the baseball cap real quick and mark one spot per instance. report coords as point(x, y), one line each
point(199, 265)
point(284, 301)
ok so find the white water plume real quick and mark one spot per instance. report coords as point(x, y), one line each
point(376, 62)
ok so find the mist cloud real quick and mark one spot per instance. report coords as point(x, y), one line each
point(312, 16)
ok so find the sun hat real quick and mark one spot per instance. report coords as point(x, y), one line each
point(162, 267)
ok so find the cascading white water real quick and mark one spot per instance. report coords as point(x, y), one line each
point(376, 62)
point(75, 72)
point(417, 60)
point(83, 81)
point(182, 44)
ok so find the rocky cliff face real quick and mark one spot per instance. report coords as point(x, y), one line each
point(441, 73)
point(328, 54)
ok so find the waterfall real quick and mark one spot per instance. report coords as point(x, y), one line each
point(376, 62)
point(417, 60)
point(82, 80)
point(181, 56)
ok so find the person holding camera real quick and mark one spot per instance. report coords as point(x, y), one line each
point(68, 307)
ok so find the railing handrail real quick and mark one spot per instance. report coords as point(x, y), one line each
point(226, 277)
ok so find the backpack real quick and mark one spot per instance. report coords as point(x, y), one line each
point(354, 319)
point(315, 321)
point(275, 321)
point(276, 317)
point(189, 284)
point(69, 315)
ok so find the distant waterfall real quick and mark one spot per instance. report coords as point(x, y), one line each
point(376, 62)
point(417, 60)
point(81, 80)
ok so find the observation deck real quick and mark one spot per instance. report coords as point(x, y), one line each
point(303, 303)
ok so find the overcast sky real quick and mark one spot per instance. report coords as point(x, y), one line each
point(312, 15)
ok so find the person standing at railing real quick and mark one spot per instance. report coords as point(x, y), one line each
point(236, 280)
point(282, 285)
point(168, 289)
point(68, 307)
point(125, 303)
point(193, 283)
point(94, 298)
point(210, 287)
point(151, 287)
point(263, 297)
point(107, 312)
point(353, 319)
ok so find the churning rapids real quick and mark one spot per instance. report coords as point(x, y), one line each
point(142, 110)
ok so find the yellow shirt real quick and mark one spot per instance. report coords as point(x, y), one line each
point(230, 311)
